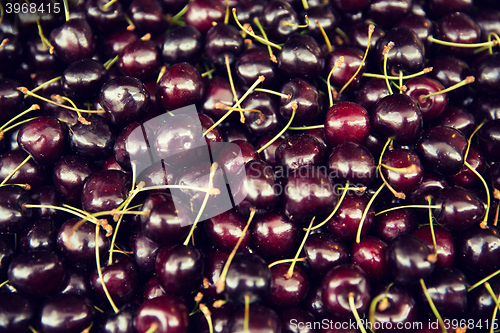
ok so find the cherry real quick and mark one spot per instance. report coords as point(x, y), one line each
point(307, 98)
point(268, 155)
point(125, 99)
point(486, 72)
point(466, 177)
point(420, 24)
point(41, 236)
point(122, 322)
point(140, 59)
point(84, 78)
point(66, 313)
point(259, 319)
point(409, 259)
point(181, 85)
point(287, 291)
point(44, 138)
point(94, 140)
point(29, 173)
point(301, 57)
point(105, 190)
point(16, 312)
point(477, 249)
point(353, 59)
point(182, 43)
point(344, 285)
point(371, 92)
point(450, 71)
point(431, 107)
point(274, 235)
point(391, 224)
point(353, 162)
point(11, 99)
point(442, 149)
point(398, 117)
point(268, 120)
point(116, 42)
point(145, 251)
point(218, 91)
point(70, 174)
point(78, 245)
point(220, 317)
point(201, 13)
point(402, 170)
point(298, 151)
point(489, 140)
point(223, 41)
point(486, 19)
point(346, 121)
point(253, 63)
point(457, 28)
point(359, 37)
point(147, 16)
point(458, 119)
point(370, 255)
point(103, 17)
point(325, 251)
point(249, 278)
point(386, 12)
point(7, 251)
point(274, 16)
point(225, 229)
point(327, 16)
point(166, 312)
point(14, 217)
point(75, 282)
point(73, 41)
point(153, 288)
point(445, 244)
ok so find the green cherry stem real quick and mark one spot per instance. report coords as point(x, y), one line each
point(365, 212)
point(488, 199)
point(263, 32)
point(477, 284)
point(208, 316)
point(251, 33)
point(406, 77)
point(473, 45)
point(403, 207)
point(292, 266)
point(294, 109)
point(15, 170)
point(305, 128)
point(355, 313)
point(339, 62)
point(432, 306)
point(99, 270)
point(337, 206)
point(431, 224)
point(466, 81)
point(283, 261)
point(385, 52)
point(325, 37)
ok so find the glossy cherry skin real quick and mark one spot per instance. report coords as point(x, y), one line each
point(459, 28)
point(342, 74)
point(75, 282)
point(44, 138)
point(323, 252)
point(140, 59)
point(105, 19)
point(268, 121)
point(371, 255)
point(308, 99)
point(41, 236)
point(166, 311)
point(66, 313)
point(449, 71)
point(308, 192)
point(486, 74)
point(431, 184)
point(346, 121)
point(105, 190)
point(11, 100)
point(84, 78)
point(341, 282)
point(444, 241)
point(442, 149)
point(92, 141)
point(401, 309)
point(253, 63)
point(420, 24)
point(386, 12)
point(182, 43)
point(351, 6)
point(213, 264)
point(145, 251)
point(201, 14)
point(274, 235)
point(153, 288)
point(398, 117)
point(147, 16)
point(7, 251)
point(394, 223)
point(181, 85)
point(273, 17)
point(370, 93)
point(489, 140)
point(223, 40)
point(73, 41)
point(30, 173)
point(221, 317)
point(448, 291)
point(14, 217)
point(353, 162)
point(78, 246)
point(268, 155)
point(407, 55)
point(225, 229)
point(125, 99)
point(431, 107)
point(459, 119)
point(261, 319)
point(16, 312)
point(408, 179)
point(301, 56)
point(408, 259)
point(122, 322)
point(116, 42)
point(466, 177)
point(218, 90)
point(298, 151)
point(478, 250)
point(287, 292)
point(69, 176)
point(121, 279)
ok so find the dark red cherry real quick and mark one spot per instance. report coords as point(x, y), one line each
point(420, 24)
point(449, 71)
point(202, 13)
point(342, 282)
point(94, 141)
point(260, 319)
point(353, 162)
point(66, 313)
point(78, 245)
point(327, 16)
point(479, 300)
point(223, 41)
point(487, 75)
point(7, 251)
point(351, 6)
point(345, 222)
point(466, 177)
point(105, 190)
point(153, 288)
point(409, 259)
point(407, 55)
point(44, 138)
point(47, 196)
point(75, 282)
point(459, 119)
point(370, 93)
point(307, 192)
point(182, 43)
point(11, 99)
point(410, 171)
point(221, 317)
point(298, 151)
point(116, 42)
point(342, 74)
point(394, 223)
point(73, 41)
point(147, 16)
point(287, 291)
point(218, 91)
point(30, 173)
point(84, 78)
point(458, 27)
point(41, 236)
point(145, 251)
point(478, 250)
point(489, 140)
point(301, 56)
point(442, 149)
point(140, 59)
point(14, 217)
point(125, 99)
point(431, 107)
point(248, 277)
point(398, 117)
point(225, 229)
point(308, 99)
point(37, 273)
point(70, 174)
point(253, 63)
point(16, 312)
point(122, 322)
point(181, 85)
point(444, 241)
point(213, 264)
point(387, 12)
point(371, 255)
point(359, 37)
point(431, 184)
point(274, 16)
point(105, 18)
point(268, 120)
point(274, 235)
point(325, 251)
point(346, 121)
point(268, 155)
point(166, 311)
point(442, 7)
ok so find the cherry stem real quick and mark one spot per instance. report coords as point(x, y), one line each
point(488, 199)
point(305, 4)
point(432, 306)
point(213, 169)
point(286, 23)
point(179, 15)
point(355, 313)
point(401, 86)
point(325, 36)
point(365, 212)
point(263, 32)
point(405, 77)
point(304, 128)
point(62, 99)
point(109, 3)
point(339, 62)
point(25, 91)
point(213, 190)
point(492, 293)
point(470, 140)
point(46, 83)
point(477, 284)
point(292, 266)
point(294, 109)
point(131, 26)
point(221, 284)
point(251, 33)
point(154, 326)
point(246, 321)
point(99, 270)
point(269, 91)
point(387, 48)
point(371, 28)
point(473, 45)
point(66, 10)
point(32, 329)
point(4, 283)
point(31, 108)
point(222, 106)
point(207, 73)
point(111, 62)
point(208, 316)
point(231, 83)
point(4, 41)
point(44, 39)
point(467, 80)
point(2, 13)
point(27, 187)
point(342, 35)
point(237, 104)
point(431, 225)
point(337, 206)
point(373, 307)
point(15, 170)
point(283, 261)
point(407, 206)
point(489, 40)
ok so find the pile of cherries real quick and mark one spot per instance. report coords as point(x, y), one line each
point(370, 190)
